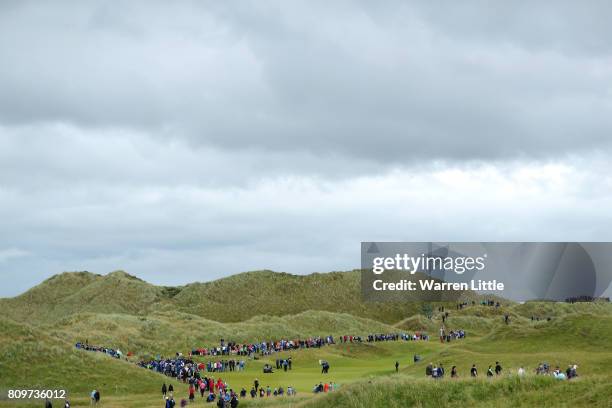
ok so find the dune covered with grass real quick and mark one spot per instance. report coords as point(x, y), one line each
point(39, 329)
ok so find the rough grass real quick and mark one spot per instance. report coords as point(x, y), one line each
point(232, 299)
point(159, 332)
point(399, 391)
point(69, 293)
point(124, 312)
point(31, 359)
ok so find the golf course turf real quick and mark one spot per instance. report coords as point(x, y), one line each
point(41, 355)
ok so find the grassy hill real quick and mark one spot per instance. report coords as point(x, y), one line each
point(76, 292)
point(578, 333)
point(278, 294)
point(30, 358)
point(364, 371)
point(399, 391)
point(39, 328)
point(157, 332)
point(233, 299)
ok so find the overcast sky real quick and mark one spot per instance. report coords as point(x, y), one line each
point(185, 141)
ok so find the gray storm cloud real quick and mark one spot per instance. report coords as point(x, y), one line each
point(384, 83)
point(189, 141)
